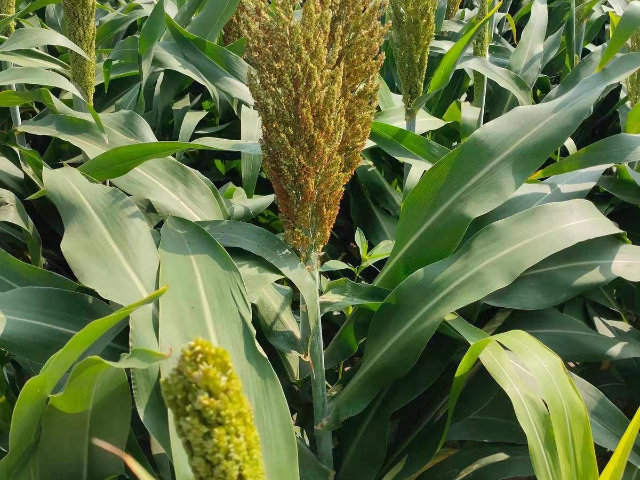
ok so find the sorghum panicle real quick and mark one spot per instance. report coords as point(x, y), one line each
point(315, 86)
point(7, 9)
point(413, 27)
point(481, 47)
point(633, 80)
point(80, 23)
point(213, 417)
point(232, 31)
point(452, 9)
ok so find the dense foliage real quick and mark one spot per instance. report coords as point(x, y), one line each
point(173, 309)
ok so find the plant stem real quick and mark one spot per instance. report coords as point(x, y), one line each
point(15, 112)
point(324, 438)
point(411, 123)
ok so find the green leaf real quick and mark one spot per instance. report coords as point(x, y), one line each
point(37, 76)
point(490, 165)
point(12, 211)
point(26, 38)
point(620, 148)
point(490, 260)
point(527, 59)
point(96, 402)
point(343, 293)
point(486, 462)
point(174, 189)
point(310, 466)
point(406, 146)
point(208, 297)
point(16, 274)
point(250, 131)
point(273, 303)
point(450, 60)
point(222, 68)
point(558, 430)
point(616, 465)
point(570, 338)
point(607, 422)
point(109, 247)
point(627, 25)
point(274, 250)
point(212, 18)
point(36, 322)
point(566, 274)
point(118, 161)
point(31, 405)
point(503, 77)
point(558, 188)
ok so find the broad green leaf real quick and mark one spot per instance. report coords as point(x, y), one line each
point(208, 300)
point(627, 25)
point(96, 402)
point(342, 293)
point(503, 77)
point(489, 166)
point(486, 462)
point(36, 322)
point(26, 38)
point(559, 438)
point(450, 60)
point(17, 274)
point(222, 68)
point(616, 466)
point(395, 115)
point(274, 250)
point(566, 274)
point(31, 405)
point(118, 161)
point(490, 260)
point(607, 422)
point(250, 131)
point(212, 18)
point(558, 188)
point(310, 466)
point(620, 148)
point(174, 189)
point(570, 338)
point(109, 247)
point(37, 76)
point(273, 303)
point(12, 211)
point(406, 146)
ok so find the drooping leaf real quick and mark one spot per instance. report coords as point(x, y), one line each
point(208, 300)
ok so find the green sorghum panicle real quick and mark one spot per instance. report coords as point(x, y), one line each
point(481, 48)
point(633, 80)
point(80, 21)
point(7, 9)
point(452, 9)
point(315, 87)
point(212, 416)
point(413, 24)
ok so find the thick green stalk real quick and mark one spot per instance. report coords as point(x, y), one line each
point(324, 438)
point(411, 123)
